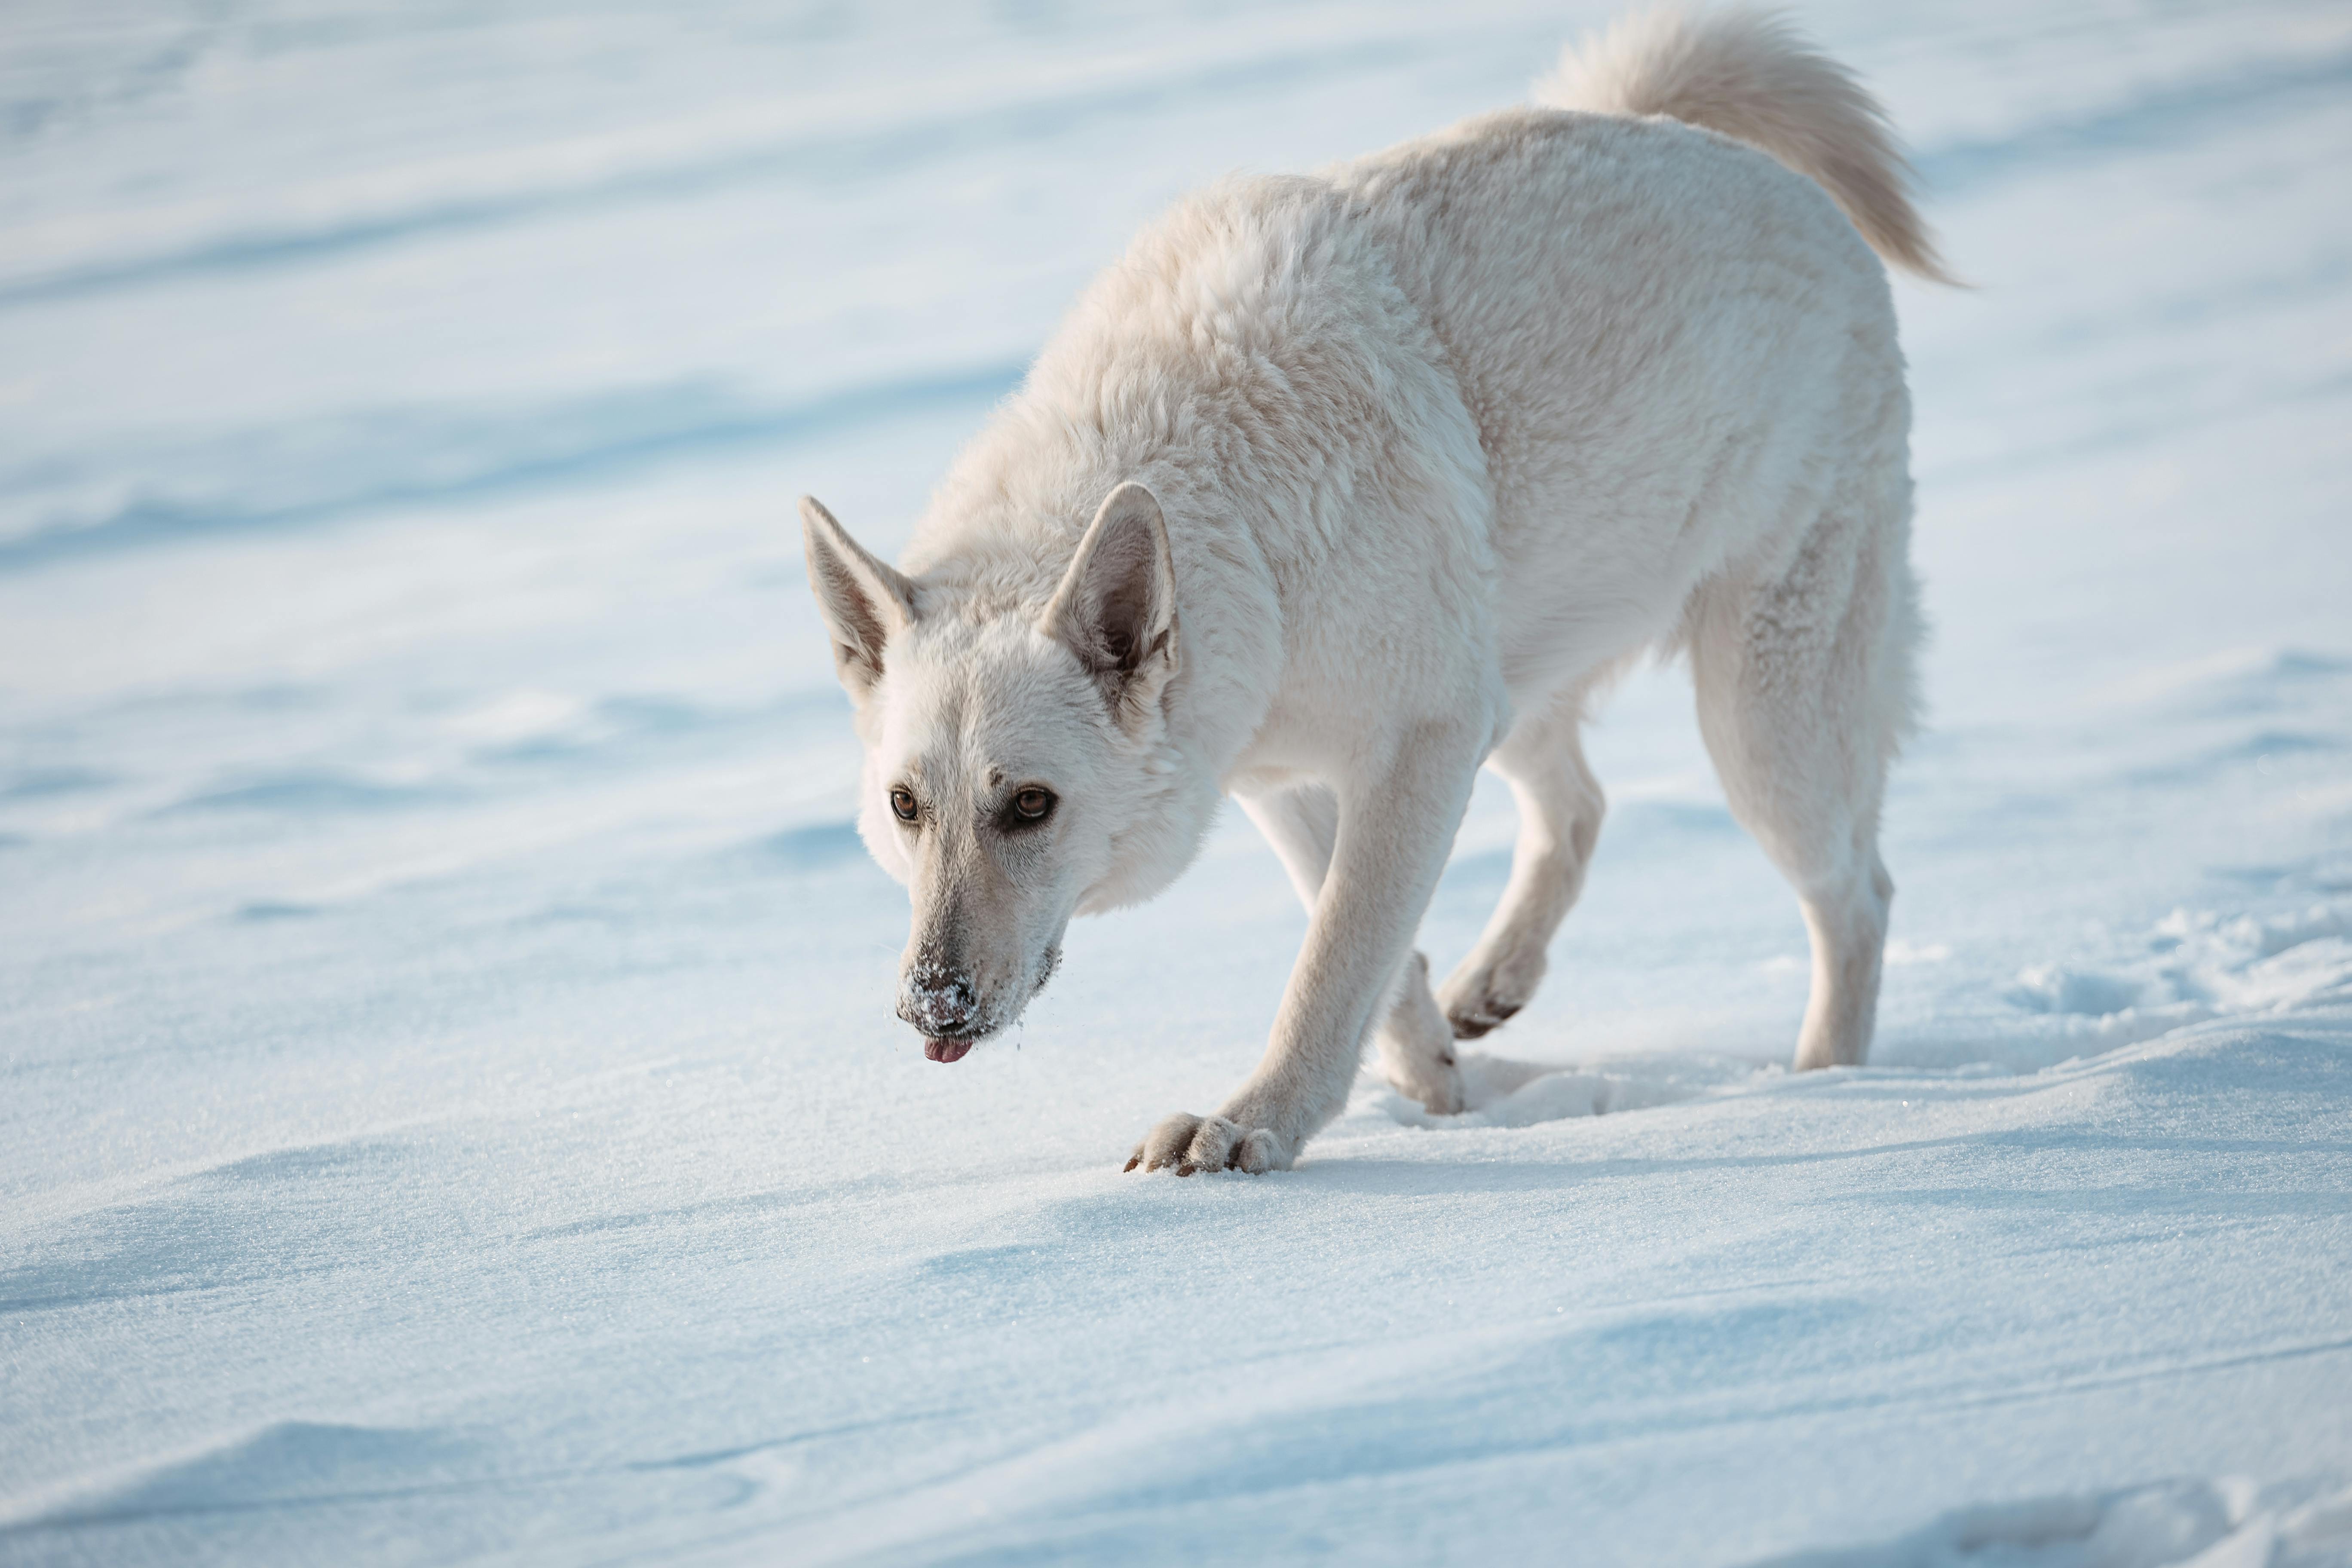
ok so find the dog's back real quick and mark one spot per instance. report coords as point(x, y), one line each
point(1655, 313)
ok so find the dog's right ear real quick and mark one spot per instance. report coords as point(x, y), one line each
point(866, 601)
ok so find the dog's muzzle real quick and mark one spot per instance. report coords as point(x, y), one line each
point(946, 1007)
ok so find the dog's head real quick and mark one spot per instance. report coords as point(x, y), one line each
point(1010, 754)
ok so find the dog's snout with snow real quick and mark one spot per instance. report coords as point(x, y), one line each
point(942, 1004)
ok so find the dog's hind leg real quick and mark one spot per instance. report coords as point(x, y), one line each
point(1416, 1047)
point(1560, 807)
point(1803, 682)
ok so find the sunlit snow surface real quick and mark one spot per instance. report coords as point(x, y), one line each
point(449, 1104)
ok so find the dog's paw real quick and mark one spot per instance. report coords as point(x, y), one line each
point(1194, 1143)
point(1488, 989)
point(1416, 1045)
point(1438, 1085)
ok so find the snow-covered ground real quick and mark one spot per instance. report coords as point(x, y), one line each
point(449, 1104)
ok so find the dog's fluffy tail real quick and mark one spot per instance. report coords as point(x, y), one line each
point(1751, 76)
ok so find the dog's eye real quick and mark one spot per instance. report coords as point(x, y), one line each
point(902, 801)
point(1033, 804)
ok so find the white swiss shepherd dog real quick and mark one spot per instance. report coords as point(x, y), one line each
point(1338, 485)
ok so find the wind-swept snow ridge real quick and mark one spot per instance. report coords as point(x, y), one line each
point(2230, 1523)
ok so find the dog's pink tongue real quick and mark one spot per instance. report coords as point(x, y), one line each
point(945, 1050)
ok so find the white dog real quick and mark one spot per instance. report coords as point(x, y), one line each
point(1338, 485)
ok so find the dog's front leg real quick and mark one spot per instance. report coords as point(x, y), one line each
point(1397, 820)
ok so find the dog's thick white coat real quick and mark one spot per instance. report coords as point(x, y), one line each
point(1338, 487)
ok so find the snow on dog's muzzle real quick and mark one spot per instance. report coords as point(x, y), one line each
point(952, 1015)
point(945, 1006)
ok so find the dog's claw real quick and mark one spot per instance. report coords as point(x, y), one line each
point(1476, 1000)
point(1133, 1161)
point(1194, 1144)
point(1470, 1025)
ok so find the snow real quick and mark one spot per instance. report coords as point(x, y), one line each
point(452, 1109)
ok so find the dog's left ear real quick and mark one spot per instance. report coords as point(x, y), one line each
point(1115, 608)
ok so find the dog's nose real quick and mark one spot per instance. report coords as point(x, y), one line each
point(938, 1003)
